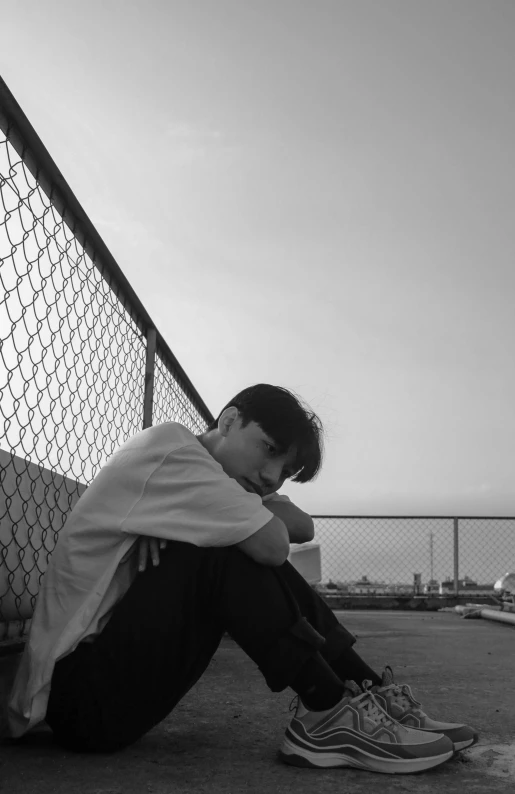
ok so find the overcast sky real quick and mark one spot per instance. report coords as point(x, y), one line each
point(318, 194)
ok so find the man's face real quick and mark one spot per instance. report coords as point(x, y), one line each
point(251, 457)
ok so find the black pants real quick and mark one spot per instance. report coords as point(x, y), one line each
point(164, 632)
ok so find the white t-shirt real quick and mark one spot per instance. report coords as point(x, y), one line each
point(162, 483)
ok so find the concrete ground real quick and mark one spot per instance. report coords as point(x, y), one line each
point(224, 735)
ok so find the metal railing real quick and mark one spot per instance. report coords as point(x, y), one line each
point(383, 553)
point(82, 366)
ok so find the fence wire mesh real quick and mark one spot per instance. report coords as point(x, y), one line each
point(73, 359)
point(173, 402)
point(381, 555)
point(487, 548)
point(71, 355)
point(75, 384)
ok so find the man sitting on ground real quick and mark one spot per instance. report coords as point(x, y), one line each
point(111, 652)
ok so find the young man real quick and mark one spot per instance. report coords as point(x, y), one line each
point(111, 651)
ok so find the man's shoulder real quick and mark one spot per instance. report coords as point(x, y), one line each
point(147, 450)
point(172, 430)
point(167, 435)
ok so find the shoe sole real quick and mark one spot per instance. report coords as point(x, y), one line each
point(465, 745)
point(296, 756)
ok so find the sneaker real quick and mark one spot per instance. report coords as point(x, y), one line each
point(358, 733)
point(398, 701)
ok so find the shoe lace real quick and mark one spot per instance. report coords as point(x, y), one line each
point(373, 710)
point(402, 694)
point(294, 703)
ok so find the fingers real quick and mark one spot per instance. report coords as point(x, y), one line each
point(152, 545)
point(154, 551)
point(142, 554)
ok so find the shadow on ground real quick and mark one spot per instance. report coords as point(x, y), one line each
point(224, 735)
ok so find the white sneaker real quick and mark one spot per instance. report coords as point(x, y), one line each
point(358, 733)
point(400, 704)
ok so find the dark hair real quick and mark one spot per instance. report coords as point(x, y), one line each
point(287, 420)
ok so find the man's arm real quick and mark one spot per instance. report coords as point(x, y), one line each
point(300, 526)
point(269, 545)
point(265, 546)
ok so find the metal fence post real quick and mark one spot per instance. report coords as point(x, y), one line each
point(456, 557)
point(148, 399)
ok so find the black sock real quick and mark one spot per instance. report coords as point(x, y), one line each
point(318, 685)
point(351, 667)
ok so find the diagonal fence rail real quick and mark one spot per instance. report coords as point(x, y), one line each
point(82, 366)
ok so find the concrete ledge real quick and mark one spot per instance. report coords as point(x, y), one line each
point(37, 502)
point(419, 603)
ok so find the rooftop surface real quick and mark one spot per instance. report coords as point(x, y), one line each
point(224, 735)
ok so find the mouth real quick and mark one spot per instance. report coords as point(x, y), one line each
point(254, 487)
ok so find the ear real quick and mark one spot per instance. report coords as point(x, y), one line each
point(227, 419)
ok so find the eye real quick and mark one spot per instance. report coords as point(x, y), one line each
point(271, 449)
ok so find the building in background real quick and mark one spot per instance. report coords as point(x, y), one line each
point(466, 586)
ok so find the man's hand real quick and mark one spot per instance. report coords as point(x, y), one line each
point(152, 545)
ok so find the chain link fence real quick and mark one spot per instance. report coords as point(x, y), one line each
point(82, 367)
point(381, 555)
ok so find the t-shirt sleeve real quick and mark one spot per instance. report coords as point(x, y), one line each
point(189, 497)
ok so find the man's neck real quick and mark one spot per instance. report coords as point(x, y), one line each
point(208, 441)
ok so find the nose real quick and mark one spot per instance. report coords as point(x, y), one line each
point(271, 472)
